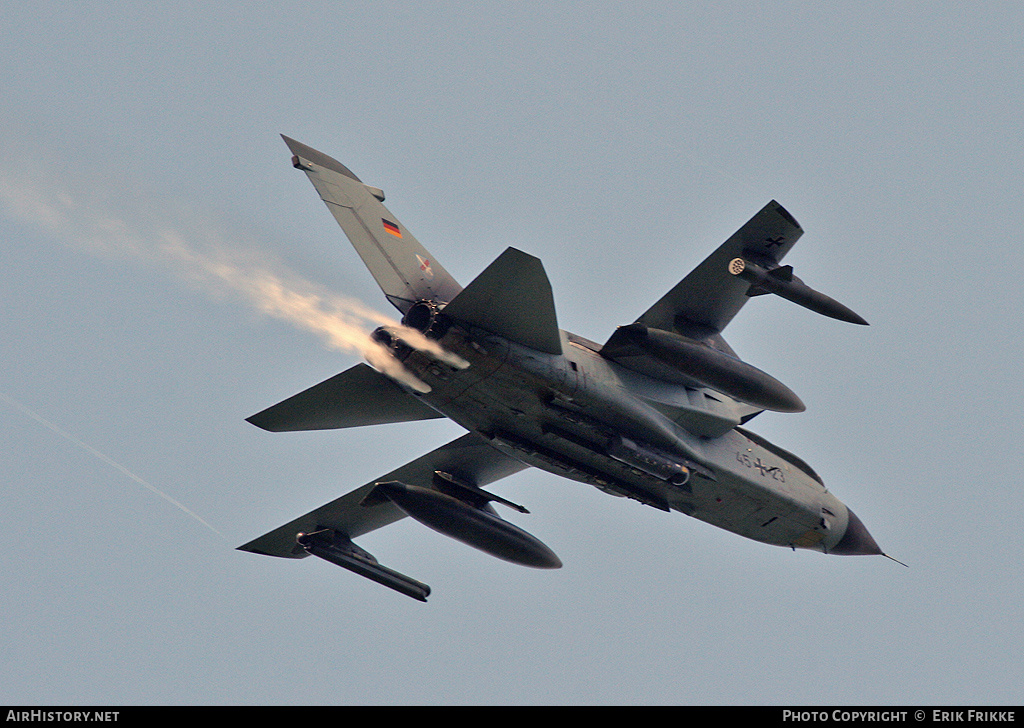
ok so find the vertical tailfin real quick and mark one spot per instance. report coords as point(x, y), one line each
point(402, 267)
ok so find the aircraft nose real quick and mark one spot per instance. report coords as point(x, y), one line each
point(856, 541)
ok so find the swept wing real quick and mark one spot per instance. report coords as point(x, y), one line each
point(705, 301)
point(469, 459)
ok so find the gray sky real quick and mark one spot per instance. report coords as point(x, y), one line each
point(618, 143)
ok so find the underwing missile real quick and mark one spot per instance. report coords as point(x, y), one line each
point(476, 527)
point(782, 282)
point(712, 368)
point(340, 551)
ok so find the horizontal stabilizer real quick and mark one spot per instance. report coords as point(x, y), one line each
point(511, 298)
point(357, 397)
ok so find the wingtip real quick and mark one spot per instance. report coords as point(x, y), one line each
point(259, 422)
point(291, 143)
point(317, 157)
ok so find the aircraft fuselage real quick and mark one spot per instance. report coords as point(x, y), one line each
point(583, 417)
point(655, 414)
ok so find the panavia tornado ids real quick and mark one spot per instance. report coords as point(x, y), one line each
point(655, 414)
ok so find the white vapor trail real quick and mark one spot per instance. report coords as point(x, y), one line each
point(108, 460)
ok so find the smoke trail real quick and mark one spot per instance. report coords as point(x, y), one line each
point(340, 322)
point(108, 460)
point(220, 268)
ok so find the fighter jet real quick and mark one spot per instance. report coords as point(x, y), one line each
point(656, 414)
